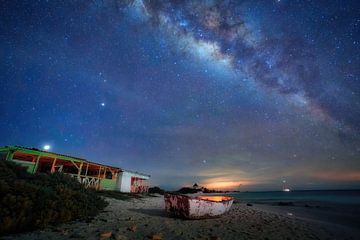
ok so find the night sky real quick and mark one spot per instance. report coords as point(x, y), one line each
point(229, 94)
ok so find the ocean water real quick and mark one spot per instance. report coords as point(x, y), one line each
point(331, 196)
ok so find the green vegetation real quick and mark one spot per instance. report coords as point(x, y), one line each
point(34, 201)
point(156, 190)
point(187, 190)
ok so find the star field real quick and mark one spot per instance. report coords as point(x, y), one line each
point(223, 93)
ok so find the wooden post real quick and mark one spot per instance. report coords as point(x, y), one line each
point(104, 173)
point(36, 164)
point(98, 185)
point(74, 164)
point(79, 172)
point(10, 155)
point(53, 166)
point(99, 172)
point(87, 168)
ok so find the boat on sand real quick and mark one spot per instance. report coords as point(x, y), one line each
point(196, 207)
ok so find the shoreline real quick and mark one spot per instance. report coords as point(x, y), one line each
point(333, 219)
point(146, 219)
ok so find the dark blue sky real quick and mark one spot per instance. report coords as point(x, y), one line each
point(224, 93)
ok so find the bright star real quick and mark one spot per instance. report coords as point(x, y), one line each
point(46, 147)
point(102, 104)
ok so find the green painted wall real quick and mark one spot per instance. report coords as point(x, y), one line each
point(108, 184)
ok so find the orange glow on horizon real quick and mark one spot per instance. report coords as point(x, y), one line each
point(226, 185)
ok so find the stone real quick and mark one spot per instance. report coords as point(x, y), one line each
point(120, 237)
point(105, 234)
point(214, 238)
point(132, 228)
point(156, 237)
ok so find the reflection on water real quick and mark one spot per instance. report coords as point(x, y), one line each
point(334, 196)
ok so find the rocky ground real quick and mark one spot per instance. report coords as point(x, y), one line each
point(145, 219)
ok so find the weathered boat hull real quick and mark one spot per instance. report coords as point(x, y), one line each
point(197, 207)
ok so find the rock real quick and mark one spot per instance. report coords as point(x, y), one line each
point(214, 238)
point(105, 234)
point(120, 237)
point(156, 237)
point(132, 228)
point(177, 232)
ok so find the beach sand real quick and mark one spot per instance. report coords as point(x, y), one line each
point(146, 219)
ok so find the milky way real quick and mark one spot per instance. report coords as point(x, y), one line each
point(285, 64)
point(223, 93)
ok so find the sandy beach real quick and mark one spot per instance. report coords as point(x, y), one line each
point(146, 219)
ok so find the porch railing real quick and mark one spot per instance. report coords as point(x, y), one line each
point(88, 181)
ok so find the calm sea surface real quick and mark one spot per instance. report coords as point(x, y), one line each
point(333, 196)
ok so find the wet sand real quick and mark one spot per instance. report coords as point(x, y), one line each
point(146, 219)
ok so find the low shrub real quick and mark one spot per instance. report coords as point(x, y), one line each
point(186, 190)
point(29, 201)
point(156, 190)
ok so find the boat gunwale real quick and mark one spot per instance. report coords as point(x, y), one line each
point(207, 200)
point(222, 201)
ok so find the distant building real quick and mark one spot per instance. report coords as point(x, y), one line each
point(92, 175)
point(132, 181)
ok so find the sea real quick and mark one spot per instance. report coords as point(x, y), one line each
point(329, 196)
point(340, 208)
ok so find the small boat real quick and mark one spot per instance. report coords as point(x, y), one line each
point(196, 207)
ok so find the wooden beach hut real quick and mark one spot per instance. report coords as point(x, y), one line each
point(91, 174)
